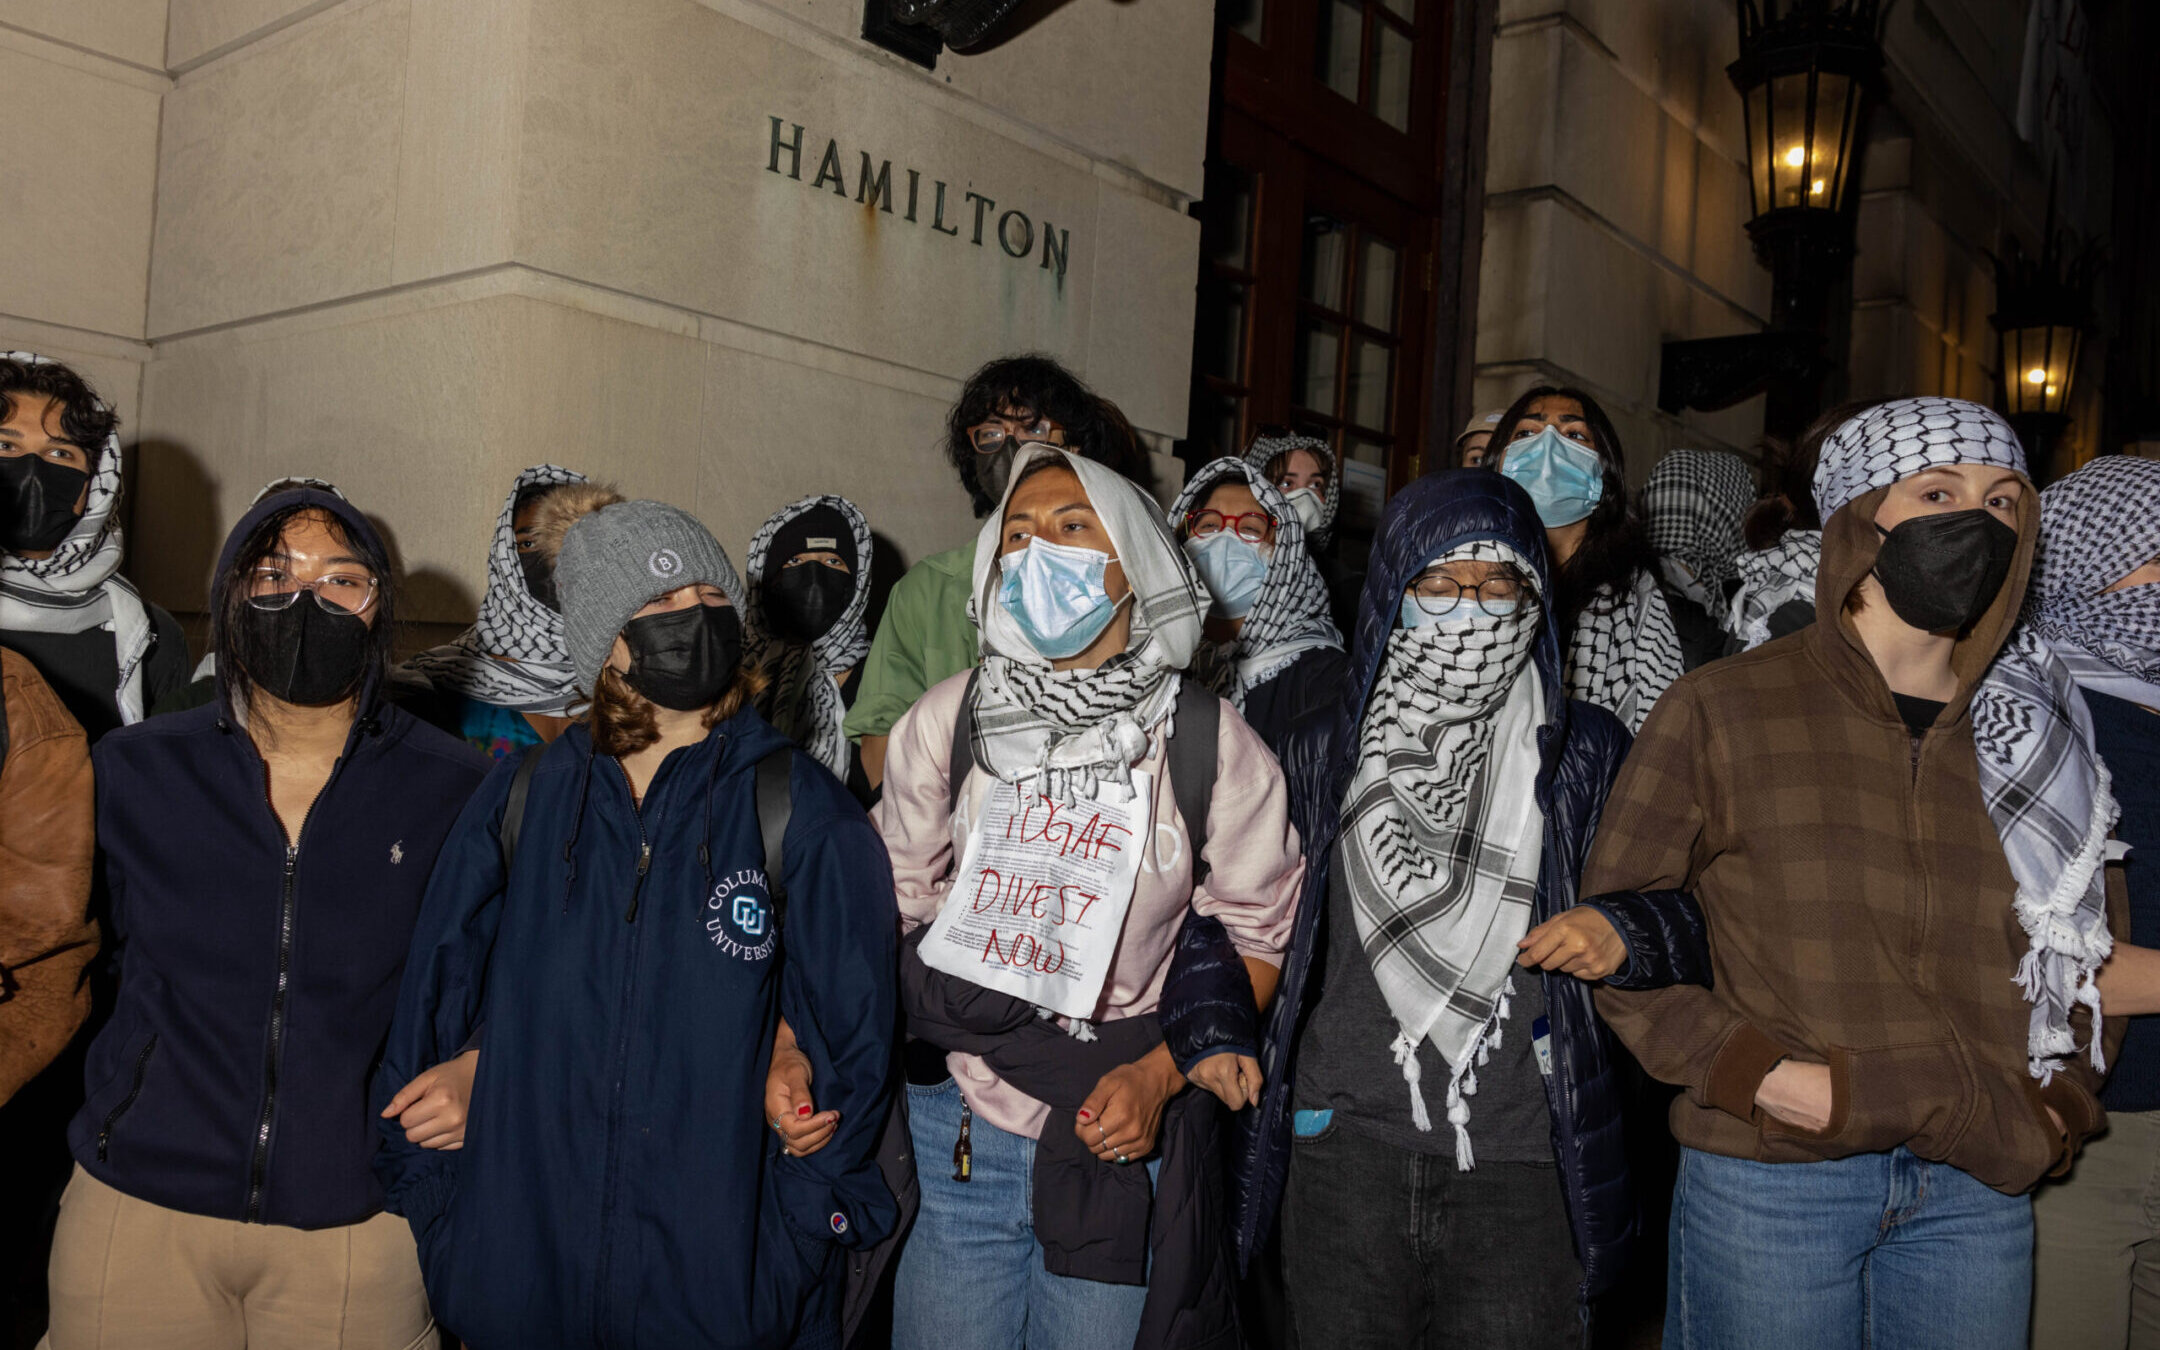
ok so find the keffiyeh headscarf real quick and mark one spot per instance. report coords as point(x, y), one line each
point(2096, 527)
point(1265, 448)
point(1291, 616)
point(1771, 579)
point(2045, 785)
point(80, 587)
point(1066, 733)
point(515, 656)
point(1625, 652)
point(1443, 833)
point(1693, 504)
point(804, 698)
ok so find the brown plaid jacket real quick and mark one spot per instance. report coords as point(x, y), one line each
point(1858, 901)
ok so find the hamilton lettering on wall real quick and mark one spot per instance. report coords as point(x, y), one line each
point(875, 188)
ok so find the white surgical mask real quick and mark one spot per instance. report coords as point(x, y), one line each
point(1309, 505)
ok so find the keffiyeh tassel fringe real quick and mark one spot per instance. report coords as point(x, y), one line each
point(2057, 944)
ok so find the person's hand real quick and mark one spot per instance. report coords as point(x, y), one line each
point(1796, 1093)
point(1234, 1078)
point(1120, 1118)
point(1581, 942)
point(432, 1108)
point(2055, 1118)
point(789, 1109)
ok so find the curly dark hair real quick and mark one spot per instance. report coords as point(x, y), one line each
point(1788, 497)
point(1618, 544)
point(230, 631)
point(622, 720)
point(1036, 385)
point(85, 419)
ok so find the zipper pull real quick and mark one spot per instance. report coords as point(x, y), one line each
point(644, 865)
point(292, 858)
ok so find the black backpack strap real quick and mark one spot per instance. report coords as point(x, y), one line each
point(775, 806)
point(513, 817)
point(963, 745)
point(1193, 763)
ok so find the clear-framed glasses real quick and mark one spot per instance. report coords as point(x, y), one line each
point(1251, 526)
point(343, 592)
point(1004, 434)
point(1438, 594)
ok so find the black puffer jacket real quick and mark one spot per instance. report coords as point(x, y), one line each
point(1582, 747)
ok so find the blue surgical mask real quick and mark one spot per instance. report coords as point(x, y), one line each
point(1055, 593)
point(1231, 569)
point(1465, 613)
point(1564, 478)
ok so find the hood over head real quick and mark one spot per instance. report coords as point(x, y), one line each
point(357, 528)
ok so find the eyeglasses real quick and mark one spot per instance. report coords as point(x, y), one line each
point(1252, 526)
point(1438, 594)
point(991, 437)
point(338, 593)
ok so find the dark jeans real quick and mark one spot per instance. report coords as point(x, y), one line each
point(1388, 1249)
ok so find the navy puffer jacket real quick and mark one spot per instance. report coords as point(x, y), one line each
point(1582, 747)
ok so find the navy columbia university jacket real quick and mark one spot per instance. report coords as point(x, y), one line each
point(257, 983)
point(618, 1185)
point(1582, 747)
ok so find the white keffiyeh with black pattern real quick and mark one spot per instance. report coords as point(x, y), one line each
point(1265, 448)
point(1068, 734)
point(515, 656)
point(1442, 832)
point(1692, 505)
point(1289, 618)
point(2044, 783)
point(1771, 579)
point(812, 667)
point(1625, 652)
point(2097, 526)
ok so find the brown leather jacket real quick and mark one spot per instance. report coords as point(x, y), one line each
point(47, 837)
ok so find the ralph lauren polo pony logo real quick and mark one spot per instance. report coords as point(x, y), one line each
point(397, 853)
point(665, 563)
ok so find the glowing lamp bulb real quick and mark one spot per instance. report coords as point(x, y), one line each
point(1796, 156)
point(2051, 391)
point(1816, 190)
point(2037, 375)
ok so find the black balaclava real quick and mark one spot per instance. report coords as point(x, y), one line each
point(802, 602)
point(38, 500)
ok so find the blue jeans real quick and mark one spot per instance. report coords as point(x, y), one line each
point(1876, 1252)
point(971, 1274)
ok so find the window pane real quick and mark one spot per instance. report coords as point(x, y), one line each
point(1318, 345)
point(1213, 428)
point(1376, 283)
point(1370, 364)
point(1338, 41)
point(1364, 485)
point(1405, 8)
point(1227, 216)
point(1219, 338)
point(1391, 77)
point(1326, 242)
point(1244, 16)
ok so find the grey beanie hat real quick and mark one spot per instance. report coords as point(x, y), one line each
point(619, 559)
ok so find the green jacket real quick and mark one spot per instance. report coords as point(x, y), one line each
point(924, 637)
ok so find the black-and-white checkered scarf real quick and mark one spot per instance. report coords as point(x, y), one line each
point(80, 587)
point(1443, 833)
point(1067, 733)
point(813, 666)
point(1693, 504)
point(1771, 579)
point(1265, 448)
point(1289, 618)
point(2096, 527)
point(515, 656)
point(2044, 783)
point(1625, 652)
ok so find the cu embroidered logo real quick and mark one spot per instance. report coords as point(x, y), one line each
point(739, 917)
point(397, 853)
point(664, 563)
point(749, 915)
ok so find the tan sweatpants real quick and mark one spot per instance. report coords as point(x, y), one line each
point(2096, 1243)
point(128, 1274)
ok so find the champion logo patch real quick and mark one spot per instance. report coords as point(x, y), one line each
point(839, 1222)
point(664, 563)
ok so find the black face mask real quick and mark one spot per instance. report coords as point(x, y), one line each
point(684, 659)
point(992, 472)
point(37, 503)
point(303, 653)
point(539, 580)
point(805, 600)
point(1940, 573)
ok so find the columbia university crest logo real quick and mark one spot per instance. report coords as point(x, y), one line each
point(739, 915)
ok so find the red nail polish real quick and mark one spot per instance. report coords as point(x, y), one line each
point(803, 1110)
point(1086, 1114)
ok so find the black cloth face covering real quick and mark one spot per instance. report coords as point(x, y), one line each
point(1940, 573)
point(684, 659)
point(37, 503)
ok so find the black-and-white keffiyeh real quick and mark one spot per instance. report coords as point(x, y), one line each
point(515, 656)
point(2097, 526)
point(1265, 448)
point(2045, 785)
point(1693, 503)
point(1291, 616)
point(1771, 579)
point(80, 587)
point(812, 667)
point(1625, 652)
point(1066, 734)
point(1443, 833)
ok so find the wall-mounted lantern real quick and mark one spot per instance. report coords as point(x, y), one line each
point(2043, 309)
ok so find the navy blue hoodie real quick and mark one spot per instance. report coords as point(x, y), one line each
point(618, 1185)
point(257, 982)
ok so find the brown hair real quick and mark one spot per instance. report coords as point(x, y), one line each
point(561, 506)
point(622, 719)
